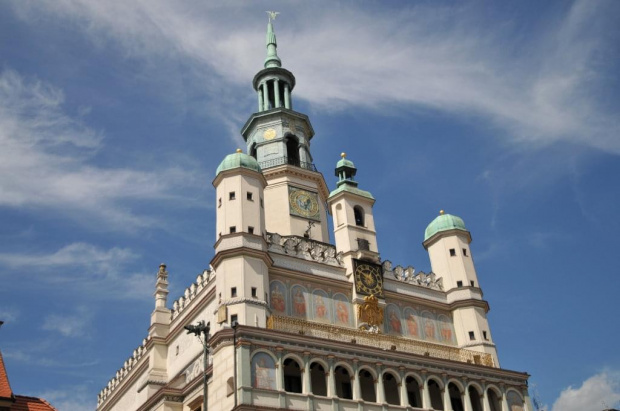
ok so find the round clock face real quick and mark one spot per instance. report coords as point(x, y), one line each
point(269, 134)
point(304, 203)
point(368, 279)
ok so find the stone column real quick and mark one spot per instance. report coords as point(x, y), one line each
point(260, 98)
point(287, 97)
point(426, 397)
point(465, 397)
point(305, 374)
point(504, 399)
point(265, 96)
point(486, 405)
point(331, 377)
point(276, 93)
point(380, 390)
point(404, 398)
point(280, 370)
point(447, 404)
point(357, 393)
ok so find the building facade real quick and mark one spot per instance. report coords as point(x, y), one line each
point(296, 322)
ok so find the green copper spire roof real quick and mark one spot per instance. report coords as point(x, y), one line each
point(272, 59)
point(345, 171)
point(444, 222)
point(238, 160)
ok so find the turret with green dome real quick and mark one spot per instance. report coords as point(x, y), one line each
point(238, 160)
point(444, 222)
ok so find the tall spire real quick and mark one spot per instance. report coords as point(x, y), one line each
point(272, 59)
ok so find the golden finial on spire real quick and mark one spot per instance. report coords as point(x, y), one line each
point(441, 212)
point(239, 150)
point(343, 154)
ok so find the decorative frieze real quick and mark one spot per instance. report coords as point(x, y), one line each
point(410, 276)
point(304, 248)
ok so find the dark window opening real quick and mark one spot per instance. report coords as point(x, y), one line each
point(251, 230)
point(459, 284)
point(292, 151)
point(358, 212)
point(250, 196)
point(292, 376)
point(231, 195)
point(253, 151)
point(455, 397)
point(233, 320)
point(233, 229)
point(363, 244)
point(219, 202)
point(367, 386)
point(435, 393)
point(472, 283)
point(471, 335)
point(413, 392)
point(318, 379)
point(254, 292)
point(494, 401)
point(343, 383)
point(474, 396)
point(391, 389)
point(484, 334)
point(465, 252)
point(452, 252)
point(233, 292)
point(261, 203)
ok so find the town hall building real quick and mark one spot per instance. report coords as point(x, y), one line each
point(292, 321)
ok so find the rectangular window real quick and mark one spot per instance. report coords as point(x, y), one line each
point(250, 196)
point(231, 195)
point(219, 202)
point(452, 252)
point(472, 283)
point(251, 230)
point(484, 334)
point(233, 292)
point(459, 284)
point(233, 229)
point(465, 252)
point(471, 335)
point(233, 320)
point(254, 292)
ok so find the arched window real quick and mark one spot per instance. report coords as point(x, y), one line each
point(292, 151)
point(359, 216)
point(494, 402)
point(253, 151)
point(367, 386)
point(474, 398)
point(339, 216)
point(413, 392)
point(292, 376)
point(318, 379)
point(390, 389)
point(455, 397)
point(343, 383)
point(435, 393)
point(515, 402)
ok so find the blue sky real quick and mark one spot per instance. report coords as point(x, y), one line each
point(114, 116)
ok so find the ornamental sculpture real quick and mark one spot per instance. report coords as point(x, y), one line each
point(370, 314)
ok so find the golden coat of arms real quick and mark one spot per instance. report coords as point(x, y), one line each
point(370, 314)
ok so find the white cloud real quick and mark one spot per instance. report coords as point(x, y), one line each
point(44, 162)
point(73, 325)
point(596, 393)
point(537, 89)
point(93, 271)
point(76, 398)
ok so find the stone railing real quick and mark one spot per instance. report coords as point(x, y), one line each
point(285, 160)
point(190, 292)
point(386, 342)
point(409, 275)
point(122, 372)
point(305, 248)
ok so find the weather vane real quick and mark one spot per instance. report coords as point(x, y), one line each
point(272, 15)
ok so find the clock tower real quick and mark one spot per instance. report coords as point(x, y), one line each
point(278, 137)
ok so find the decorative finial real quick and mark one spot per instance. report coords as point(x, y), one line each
point(272, 15)
point(239, 150)
point(441, 212)
point(343, 154)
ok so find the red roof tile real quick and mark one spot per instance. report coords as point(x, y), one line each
point(23, 403)
point(5, 387)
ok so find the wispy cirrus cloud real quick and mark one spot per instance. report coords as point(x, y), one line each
point(45, 162)
point(70, 325)
point(535, 89)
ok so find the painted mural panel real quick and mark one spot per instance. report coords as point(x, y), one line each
point(515, 403)
point(321, 307)
point(342, 310)
point(429, 326)
point(446, 329)
point(392, 320)
point(412, 321)
point(299, 300)
point(263, 371)
point(277, 292)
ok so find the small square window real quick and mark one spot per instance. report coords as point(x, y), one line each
point(233, 229)
point(452, 252)
point(251, 230)
point(250, 196)
point(459, 284)
point(219, 202)
point(254, 292)
point(465, 252)
point(233, 292)
point(233, 320)
point(471, 335)
point(472, 283)
point(231, 195)
point(484, 334)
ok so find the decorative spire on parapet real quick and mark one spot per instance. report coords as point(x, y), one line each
point(161, 287)
point(272, 59)
point(345, 171)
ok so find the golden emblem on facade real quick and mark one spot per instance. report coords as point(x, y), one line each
point(370, 313)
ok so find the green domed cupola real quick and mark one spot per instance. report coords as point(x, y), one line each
point(238, 160)
point(345, 171)
point(444, 222)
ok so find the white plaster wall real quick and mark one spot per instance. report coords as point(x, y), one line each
point(240, 212)
point(452, 269)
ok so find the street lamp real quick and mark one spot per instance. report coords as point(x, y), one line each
point(202, 328)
